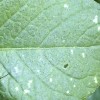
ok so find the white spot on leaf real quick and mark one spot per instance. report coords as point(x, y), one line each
point(16, 88)
point(23, 56)
point(83, 55)
point(29, 83)
point(95, 80)
point(38, 71)
point(71, 79)
point(98, 28)
point(72, 52)
point(66, 6)
point(16, 69)
point(26, 91)
point(67, 92)
point(50, 80)
point(74, 85)
point(40, 59)
point(95, 20)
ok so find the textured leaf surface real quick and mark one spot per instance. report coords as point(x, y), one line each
point(49, 49)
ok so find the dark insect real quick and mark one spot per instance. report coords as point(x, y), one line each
point(3, 76)
point(66, 65)
point(98, 1)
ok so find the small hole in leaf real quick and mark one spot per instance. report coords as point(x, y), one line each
point(98, 1)
point(66, 65)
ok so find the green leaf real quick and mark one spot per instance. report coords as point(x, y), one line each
point(50, 49)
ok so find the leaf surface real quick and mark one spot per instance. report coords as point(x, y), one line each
point(49, 49)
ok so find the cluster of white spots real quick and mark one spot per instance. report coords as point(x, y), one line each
point(95, 20)
point(83, 55)
point(72, 52)
point(74, 85)
point(26, 91)
point(95, 80)
point(98, 28)
point(29, 83)
point(16, 69)
point(16, 88)
point(50, 80)
point(67, 92)
point(66, 6)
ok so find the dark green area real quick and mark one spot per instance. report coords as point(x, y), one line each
point(96, 95)
point(97, 1)
point(66, 65)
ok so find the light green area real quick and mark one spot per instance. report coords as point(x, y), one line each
point(50, 49)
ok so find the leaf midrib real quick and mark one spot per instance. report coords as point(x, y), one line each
point(42, 48)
